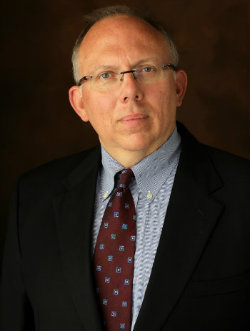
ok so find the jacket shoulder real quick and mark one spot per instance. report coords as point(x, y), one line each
point(59, 168)
point(227, 163)
point(49, 179)
point(198, 153)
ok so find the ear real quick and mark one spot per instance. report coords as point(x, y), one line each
point(76, 101)
point(181, 86)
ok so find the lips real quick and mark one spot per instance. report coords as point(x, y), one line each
point(133, 117)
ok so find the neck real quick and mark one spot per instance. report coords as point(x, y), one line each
point(129, 158)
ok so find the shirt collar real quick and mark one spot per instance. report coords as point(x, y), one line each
point(150, 173)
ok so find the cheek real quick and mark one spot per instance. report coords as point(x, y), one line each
point(169, 96)
point(98, 108)
point(163, 102)
point(164, 109)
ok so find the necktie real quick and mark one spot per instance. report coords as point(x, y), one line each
point(114, 256)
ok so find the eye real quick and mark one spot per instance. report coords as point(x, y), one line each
point(105, 75)
point(148, 69)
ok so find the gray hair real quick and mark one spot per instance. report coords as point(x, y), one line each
point(102, 13)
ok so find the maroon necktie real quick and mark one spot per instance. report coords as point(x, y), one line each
point(114, 256)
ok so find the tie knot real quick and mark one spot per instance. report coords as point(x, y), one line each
point(125, 179)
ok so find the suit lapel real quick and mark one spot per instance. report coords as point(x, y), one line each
point(191, 217)
point(74, 216)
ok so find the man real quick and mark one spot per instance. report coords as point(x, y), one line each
point(187, 204)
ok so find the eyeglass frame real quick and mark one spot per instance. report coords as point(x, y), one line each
point(164, 67)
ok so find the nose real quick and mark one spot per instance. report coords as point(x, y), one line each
point(130, 88)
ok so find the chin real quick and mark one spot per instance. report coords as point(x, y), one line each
point(136, 145)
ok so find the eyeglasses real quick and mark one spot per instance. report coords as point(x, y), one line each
point(109, 79)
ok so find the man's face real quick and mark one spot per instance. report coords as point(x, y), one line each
point(132, 118)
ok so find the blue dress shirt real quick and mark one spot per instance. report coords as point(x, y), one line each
point(151, 189)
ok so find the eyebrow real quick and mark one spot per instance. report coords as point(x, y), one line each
point(148, 59)
point(106, 67)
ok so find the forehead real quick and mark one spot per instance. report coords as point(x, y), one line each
point(121, 38)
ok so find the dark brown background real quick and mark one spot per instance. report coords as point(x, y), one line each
point(37, 123)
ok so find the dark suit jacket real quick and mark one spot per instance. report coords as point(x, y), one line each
point(199, 277)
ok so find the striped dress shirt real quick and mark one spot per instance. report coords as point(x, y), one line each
point(151, 189)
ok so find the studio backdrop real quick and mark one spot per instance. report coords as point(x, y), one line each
point(37, 122)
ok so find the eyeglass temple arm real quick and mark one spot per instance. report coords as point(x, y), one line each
point(170, 66)
point(84, 78)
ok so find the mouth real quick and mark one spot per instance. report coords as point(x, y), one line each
point(134, 122)
point(134, 117)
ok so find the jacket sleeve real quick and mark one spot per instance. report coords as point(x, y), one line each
point(15, 310)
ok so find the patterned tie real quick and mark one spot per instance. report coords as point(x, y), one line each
point(114, 256)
